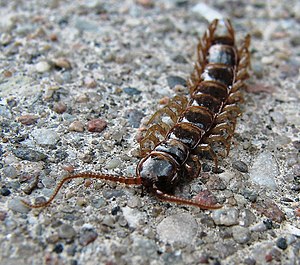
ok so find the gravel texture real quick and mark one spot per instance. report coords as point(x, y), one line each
point(77, 81)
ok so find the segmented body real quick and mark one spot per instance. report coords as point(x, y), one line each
point(207, 117)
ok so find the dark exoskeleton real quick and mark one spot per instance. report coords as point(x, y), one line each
point(207, 117)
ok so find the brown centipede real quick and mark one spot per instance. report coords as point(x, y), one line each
point(207, 117)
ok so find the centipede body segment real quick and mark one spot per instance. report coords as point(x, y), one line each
point(198, 122)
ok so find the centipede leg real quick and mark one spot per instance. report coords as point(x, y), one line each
point(223, 127)
point(192, 166)
point(202, 49)
point(218, 138)
point(143, 144)
point(233, 108)
point(207, 148)
point(235, 97)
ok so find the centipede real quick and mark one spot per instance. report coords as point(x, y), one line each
point(202, 121)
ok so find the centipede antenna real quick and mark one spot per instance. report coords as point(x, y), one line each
point(171, 198)
point(85, 175)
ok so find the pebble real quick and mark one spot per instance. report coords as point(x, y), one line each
point(3, 215)
point(29, 154)
point(76, 126)
point(66, 231)
point(10, 172)
point(62, 63)
point(281, 243)
point(278, 117)
point(131, 91)
point(247, 218)
point(295, 40)
point(269, 209)
point(4, 111)
point(45, 136)
point(240, 166)
point(206, 198)
point(179, 228)
point(5, 191)
point(225, 249)
point(58, 248)
point(59, 107)
point(250, 195)
point(133, 216)
point(264, 170)
point(27, 119)
point(241, 234)
point(87, 236)
point(134, 117)
point(114, 163)
point(175, 80)
point(96, 125)
point(90, 82)
point(207, 12)
point(42, 67)
point(225, 217)
point(16, 205)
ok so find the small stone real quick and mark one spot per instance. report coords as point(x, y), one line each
point(264, 170)
point(58, 248)
point(240, 166)
point(269, 209)
point(133, 216)
point(96, 125)
point(42, 67)
point(206, 198)
point(250, 195)
point(175, 80)
point(180, 228)
point(76, 126)
point(281, 243)
point(108, 221)
point(131, 91)
point(250, 261)
point(146, 3)
point(29, 154)
point(296, 144)
point(87, 236)
point(3, 215)
point(62, 63)
point(206, 11)
point(267, 59)
point(16, 205)
point(27, 119)
point(134, 117)
point(296, 170)
point(66, 231)
point(10, 172)
point(295, 40)
point(90, 82)
point(247, 218)
point(59, 107)
point(278, 117)
point(225, 217)
point(5, 191)
point(7, 73)
point(45, 136)
point(179, 59)
point(114, 163)
point(241, 234)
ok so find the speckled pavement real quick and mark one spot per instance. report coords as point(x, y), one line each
point(77, 81)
